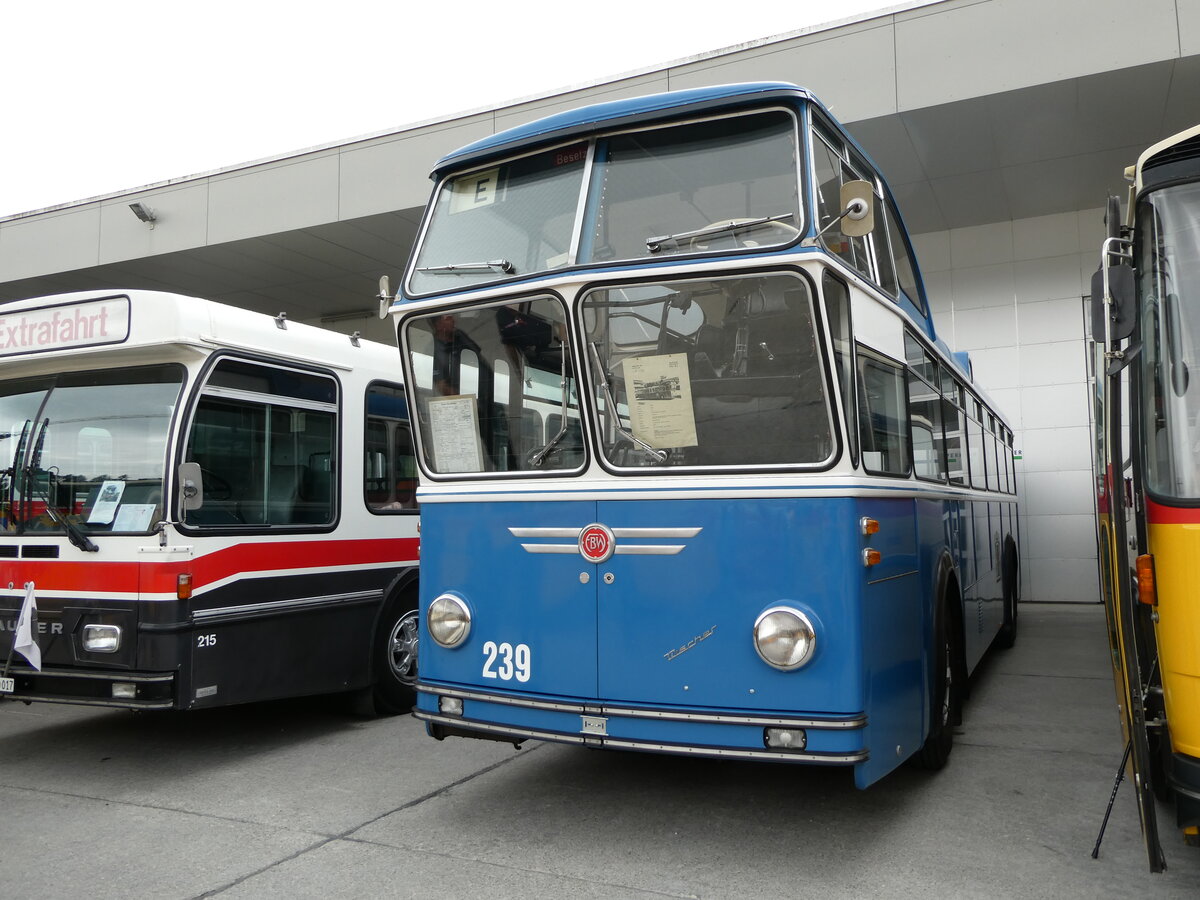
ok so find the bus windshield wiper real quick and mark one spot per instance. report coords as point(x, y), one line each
point(537, 457)
point(654, 244)
point(450, 269)
point(74, 534)
point(659, 456)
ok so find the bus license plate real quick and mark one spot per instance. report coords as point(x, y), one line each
point(8, 685)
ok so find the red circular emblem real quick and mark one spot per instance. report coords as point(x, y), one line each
point(596, 543)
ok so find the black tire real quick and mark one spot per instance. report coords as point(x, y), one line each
point(1007, 636)
point(935, 752)
point(396, 657)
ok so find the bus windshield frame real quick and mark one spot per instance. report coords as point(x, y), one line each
point(716, 185)
point(715, 373)
point(86, 451)
point(1168, 273)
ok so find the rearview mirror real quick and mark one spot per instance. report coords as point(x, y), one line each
point(191, 487)
point(1122, 312)
point(858, 201)
point(385, 296)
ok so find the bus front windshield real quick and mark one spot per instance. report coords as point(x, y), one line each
point(1168, 286)
point(86, 451)
point(496, 389)
point(708, 373)
point(718, 185)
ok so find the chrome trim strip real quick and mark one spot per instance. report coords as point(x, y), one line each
point(849, 723)
point(551, 548)
point(273, 606)
point(656, 532)
point(620, 743)
point(91, 701)
point(649, 549)
point(545, 532)
point(71, 674)
point(893, 577)
point(617, 532)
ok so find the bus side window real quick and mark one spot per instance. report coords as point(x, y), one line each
point(837, 309)
point(264, 461)
point(906, 269)
point(883, 416)
point(389, 460)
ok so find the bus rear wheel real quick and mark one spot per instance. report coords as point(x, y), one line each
point(1007, 636)
point(935, 752)
point(396, 655)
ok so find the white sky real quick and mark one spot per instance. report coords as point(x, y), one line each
point(107, 96)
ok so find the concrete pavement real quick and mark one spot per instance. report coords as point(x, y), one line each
point(302, 799)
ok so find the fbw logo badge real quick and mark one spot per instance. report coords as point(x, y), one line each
point(596, 543)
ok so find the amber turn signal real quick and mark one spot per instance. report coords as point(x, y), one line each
point(1147, 592)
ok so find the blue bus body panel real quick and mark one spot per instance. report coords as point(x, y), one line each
point(515, 596)
point(663, 631)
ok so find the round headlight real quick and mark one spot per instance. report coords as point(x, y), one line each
point(784, 638)
point(449, 620)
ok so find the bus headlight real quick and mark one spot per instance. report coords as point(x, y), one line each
point(784, 638)
point(449, 620)
point(101, 638)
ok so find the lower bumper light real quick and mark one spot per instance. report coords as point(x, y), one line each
point(123, 691)
point(450, 706)
point(785, 738)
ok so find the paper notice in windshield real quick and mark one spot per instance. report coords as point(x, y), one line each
point(660, 400)
point(454, 427)
point(107, 502)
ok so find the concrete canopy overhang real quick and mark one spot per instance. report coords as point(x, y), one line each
point(968, 127)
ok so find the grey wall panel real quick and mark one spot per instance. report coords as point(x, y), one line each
point(182, 214)
point(954, 51)
point(390, 173)
point(852, 70)
point(52, 242)
point(1188, 13)
point(276, 197)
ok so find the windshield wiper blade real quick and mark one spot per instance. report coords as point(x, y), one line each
point(537, 457)
point(450, 269)
point(654, 244)
point(74, 534)
point(659, 456)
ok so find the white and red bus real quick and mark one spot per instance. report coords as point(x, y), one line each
point(206, 505)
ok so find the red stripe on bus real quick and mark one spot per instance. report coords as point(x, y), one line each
point(1157, 514)
point(241, 559)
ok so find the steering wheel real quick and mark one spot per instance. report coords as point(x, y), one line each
point(216, 487)
point(744, 237)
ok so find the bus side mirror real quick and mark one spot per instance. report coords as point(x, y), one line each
point(191, 487)
point(385, 296)
point(1122, 311)
point(858, 201)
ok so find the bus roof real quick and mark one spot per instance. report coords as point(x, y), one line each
point(585, 119)
point(119, 320)
point(1188, 142)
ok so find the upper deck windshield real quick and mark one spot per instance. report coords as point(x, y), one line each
point(86, 451)
point(717, 185)
point(1168, 273)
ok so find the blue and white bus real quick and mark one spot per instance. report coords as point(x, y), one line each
point(698, 476)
